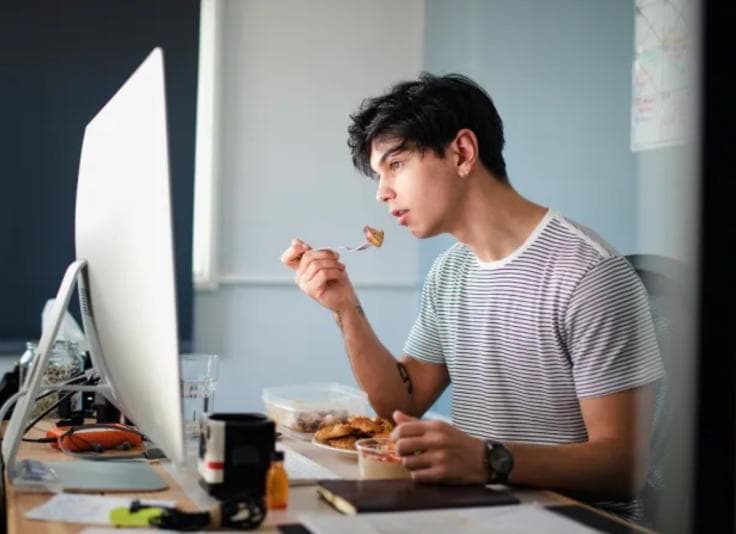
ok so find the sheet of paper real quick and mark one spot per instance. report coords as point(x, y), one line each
point(513, 519)
point(90, 509)
point(302, 470)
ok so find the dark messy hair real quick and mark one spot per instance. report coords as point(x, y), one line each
point(427, 114)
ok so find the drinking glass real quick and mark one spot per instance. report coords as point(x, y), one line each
point(198, 382)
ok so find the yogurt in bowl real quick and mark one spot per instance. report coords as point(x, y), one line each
point(378, 458)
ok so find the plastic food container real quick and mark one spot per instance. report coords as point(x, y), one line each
point(378, 458)
point(301, 409)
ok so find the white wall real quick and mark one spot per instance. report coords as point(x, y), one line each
point(290, 74)
point(667, 202)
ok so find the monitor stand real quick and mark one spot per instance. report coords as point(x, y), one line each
point(72, 475)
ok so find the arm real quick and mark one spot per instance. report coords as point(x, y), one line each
point(612, 464)
point(615, 362)
point(408, 385)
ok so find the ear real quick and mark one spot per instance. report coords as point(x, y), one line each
point(465, 147)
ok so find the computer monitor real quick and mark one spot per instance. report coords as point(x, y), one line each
point(123, 230)
point(125, 263)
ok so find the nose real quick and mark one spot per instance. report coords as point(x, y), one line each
point(384, 193)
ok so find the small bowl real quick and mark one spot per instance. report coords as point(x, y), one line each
point(378, 458)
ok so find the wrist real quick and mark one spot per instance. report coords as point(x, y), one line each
point(498, 462)
point(346, 311)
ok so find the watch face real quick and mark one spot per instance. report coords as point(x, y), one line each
point(501, 460)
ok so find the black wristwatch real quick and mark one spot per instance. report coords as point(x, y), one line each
point(498, 461)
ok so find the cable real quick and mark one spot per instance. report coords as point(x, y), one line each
point(241, 512)
point(87, 381)
point(14, 398)
point(9, 404)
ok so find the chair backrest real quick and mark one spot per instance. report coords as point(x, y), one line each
point(665, 280)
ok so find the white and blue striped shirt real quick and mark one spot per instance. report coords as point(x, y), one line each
point(524, 338)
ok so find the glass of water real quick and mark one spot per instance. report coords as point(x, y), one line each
point(198, 381)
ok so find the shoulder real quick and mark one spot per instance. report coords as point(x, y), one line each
point(580, 239)
point(452, 260)
point(578, 250)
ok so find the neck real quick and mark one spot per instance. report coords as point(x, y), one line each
point(494, 220)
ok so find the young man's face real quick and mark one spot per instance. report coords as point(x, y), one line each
point(421, 190)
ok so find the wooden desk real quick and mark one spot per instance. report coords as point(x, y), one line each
point(184, 489)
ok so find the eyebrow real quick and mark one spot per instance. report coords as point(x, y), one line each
point(400, 147)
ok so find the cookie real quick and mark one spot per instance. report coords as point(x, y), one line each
point(333, 431)
point(347, 442)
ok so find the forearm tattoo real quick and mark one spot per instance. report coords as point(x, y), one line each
point(405, 378)
point(338, 316)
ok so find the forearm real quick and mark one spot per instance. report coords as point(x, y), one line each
point(593, 470)
point(376, 370)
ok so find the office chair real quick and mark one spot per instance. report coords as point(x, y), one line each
point(666, 281)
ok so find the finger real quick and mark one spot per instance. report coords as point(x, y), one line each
point(412, 446)
point(401, 417)
point(417, 462)
point(318, 284)
point(322, 253)
point(329, 277)
point(293, 254)
point(408, 430)
point(317, 265)
point(333, 252)
point(306, 259)
point(312, 255)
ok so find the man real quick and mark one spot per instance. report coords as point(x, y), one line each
point(543, 330)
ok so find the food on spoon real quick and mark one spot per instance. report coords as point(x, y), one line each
point(373, 235)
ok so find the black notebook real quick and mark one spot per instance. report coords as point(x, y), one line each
point(358, 496)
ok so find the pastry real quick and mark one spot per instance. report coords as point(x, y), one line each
point(347, 443)
point(344, 434)
point(333, 431)
point(373, 235)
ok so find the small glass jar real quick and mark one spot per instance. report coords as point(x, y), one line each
point(65, 362)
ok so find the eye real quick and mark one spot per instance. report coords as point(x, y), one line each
point(395, 165)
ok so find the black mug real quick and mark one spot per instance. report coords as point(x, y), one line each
point(235, 452)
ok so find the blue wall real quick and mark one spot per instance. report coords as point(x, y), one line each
point(559, 74)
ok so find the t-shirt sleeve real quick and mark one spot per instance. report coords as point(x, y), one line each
point(610, 333)
point(424, 342)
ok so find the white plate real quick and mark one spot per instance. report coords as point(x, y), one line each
point(346, 452)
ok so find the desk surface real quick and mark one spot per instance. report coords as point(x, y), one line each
point(183, 488)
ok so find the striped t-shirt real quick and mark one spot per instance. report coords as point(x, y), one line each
point(524, 338)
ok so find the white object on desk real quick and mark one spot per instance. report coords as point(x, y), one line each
point(303, 471)
point(90, 509)
point(513, 519)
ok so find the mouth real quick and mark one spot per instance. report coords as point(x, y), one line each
point(401, 215)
